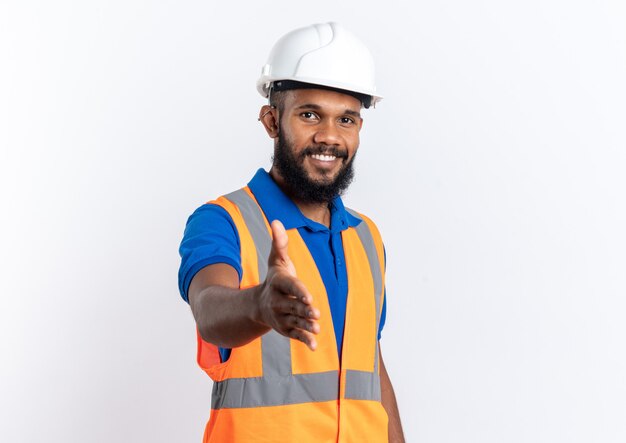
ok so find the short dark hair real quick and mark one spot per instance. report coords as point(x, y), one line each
point(277, 100)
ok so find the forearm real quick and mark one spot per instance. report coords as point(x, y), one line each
point(388, 399)
point(230, 317)
point(227, 317)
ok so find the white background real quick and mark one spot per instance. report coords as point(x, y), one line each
point(494, 168)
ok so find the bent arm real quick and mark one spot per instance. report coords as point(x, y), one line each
point(388, 398)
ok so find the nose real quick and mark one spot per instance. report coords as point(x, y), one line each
point(328, 134)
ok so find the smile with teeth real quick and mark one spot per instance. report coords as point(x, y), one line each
point(323, 158)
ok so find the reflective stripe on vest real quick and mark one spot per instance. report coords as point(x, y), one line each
point(366, 385)
point(278, 385)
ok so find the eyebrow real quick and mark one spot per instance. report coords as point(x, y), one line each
point(319, 108)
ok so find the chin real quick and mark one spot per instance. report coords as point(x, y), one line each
point(323, 180)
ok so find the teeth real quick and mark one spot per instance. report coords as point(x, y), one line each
point(324, 158)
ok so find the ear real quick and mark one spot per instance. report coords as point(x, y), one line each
point(268, 116)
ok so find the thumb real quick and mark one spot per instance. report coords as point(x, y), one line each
point(278, 254)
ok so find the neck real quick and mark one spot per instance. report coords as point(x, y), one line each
point(318, 212)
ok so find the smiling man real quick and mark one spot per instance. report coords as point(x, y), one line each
point(286, 284)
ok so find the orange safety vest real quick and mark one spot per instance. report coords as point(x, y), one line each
point(275, 389)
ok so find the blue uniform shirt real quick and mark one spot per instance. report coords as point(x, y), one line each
point(211, 237)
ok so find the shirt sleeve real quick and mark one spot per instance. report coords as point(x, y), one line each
point(210, 237)
point(383, 316)
point(383, 313)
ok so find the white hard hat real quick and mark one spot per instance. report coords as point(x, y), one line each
point(322, 54)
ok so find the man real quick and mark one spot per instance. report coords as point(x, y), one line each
point(285, 284)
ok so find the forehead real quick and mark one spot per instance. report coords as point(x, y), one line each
point(322, 98)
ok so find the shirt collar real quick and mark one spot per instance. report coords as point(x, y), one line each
point(277, 206)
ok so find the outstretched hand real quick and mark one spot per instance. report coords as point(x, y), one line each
point(285, 304)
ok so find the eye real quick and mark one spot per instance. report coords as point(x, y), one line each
point(308, 115)
point(347, 121)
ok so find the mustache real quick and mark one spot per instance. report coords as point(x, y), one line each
point(325, 150)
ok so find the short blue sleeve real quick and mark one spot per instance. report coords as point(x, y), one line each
point(383, 313)
point(210, 237)
point(383, 316)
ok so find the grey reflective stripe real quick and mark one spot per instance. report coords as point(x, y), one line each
point(362, 385)
point(255, 221)
point(275, 391)
point(276, 349)
point(367, 240)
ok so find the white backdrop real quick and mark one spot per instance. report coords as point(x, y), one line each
point(494, 168)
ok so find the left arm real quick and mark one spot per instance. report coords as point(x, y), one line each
point(388, 398)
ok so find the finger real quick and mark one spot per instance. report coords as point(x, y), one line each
point(296, 322)
point(290, 285)
point(305, 337)
point(297, 308)
point(279, 243)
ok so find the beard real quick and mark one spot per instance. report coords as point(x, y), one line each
point(297, 180)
